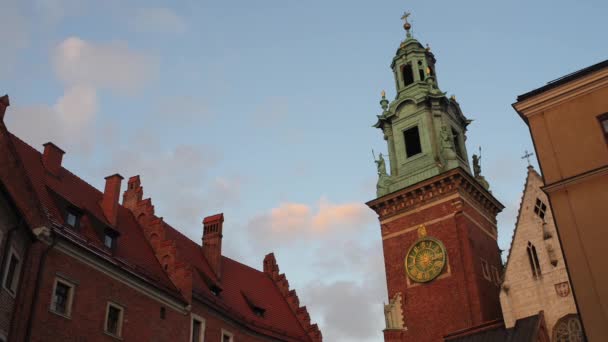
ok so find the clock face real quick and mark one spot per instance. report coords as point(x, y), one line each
point(425, 260)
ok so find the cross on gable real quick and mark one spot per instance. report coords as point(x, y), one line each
point(527, 156)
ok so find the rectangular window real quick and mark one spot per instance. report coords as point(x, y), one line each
point(11, 273)
point(457, 146)
point(603, 119)
point(198, 329)
point(496, 275)
point(71, 220)
point(114, 316)
point(412, 141)
point(72, 217)
point(540, 208)
point(486, 270)
point(61, 303)
point(108, 241)
point(227, 336)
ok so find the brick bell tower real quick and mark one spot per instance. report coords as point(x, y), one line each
point(437, 220)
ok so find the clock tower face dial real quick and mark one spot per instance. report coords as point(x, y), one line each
point(425, 260)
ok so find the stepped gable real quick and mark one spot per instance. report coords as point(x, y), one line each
point(55, 191)
point(271, 269)
point(244, 293)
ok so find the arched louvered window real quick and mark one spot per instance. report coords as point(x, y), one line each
point(568, 329)
point(533, 258)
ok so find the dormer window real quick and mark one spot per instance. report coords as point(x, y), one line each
point(254, 305)
point(258, 311)
point(109, 239)
point(216, 290)
point(72, 218)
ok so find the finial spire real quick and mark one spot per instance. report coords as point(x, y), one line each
point(527, 156)
point(383, 101)
point(406, 25)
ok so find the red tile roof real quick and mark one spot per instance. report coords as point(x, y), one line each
point(240, 285)
point(237, 279)
point(132, 251)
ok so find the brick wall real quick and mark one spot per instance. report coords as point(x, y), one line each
point(93, 290)
point(460, 297)
point(17, 241)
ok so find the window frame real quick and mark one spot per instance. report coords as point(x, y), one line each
point(229, 334)
point(540, 209)
point(201, 320)
point(121, 319)
point(458, 143)
point(70, 210)
point(534, 261)
point(496, 275)
point(485, 269)
point(12, 289)
point(405, 144)
point(70, 299)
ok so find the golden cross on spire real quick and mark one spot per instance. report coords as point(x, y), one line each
point(405, 15)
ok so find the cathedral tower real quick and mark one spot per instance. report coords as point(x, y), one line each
point(437, 220)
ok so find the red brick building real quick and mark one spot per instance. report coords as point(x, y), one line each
point(78, 266)
point(437, 217)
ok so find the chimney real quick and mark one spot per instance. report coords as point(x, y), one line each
point(109, 202)
point(51, 158)
point(212, 241)
point(4, 102)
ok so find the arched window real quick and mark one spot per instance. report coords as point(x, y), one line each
point(421, 71)
point(568, 329)
point(533, 258)
point(408, 74)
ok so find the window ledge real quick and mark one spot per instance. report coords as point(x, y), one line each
point(60, 314)
point(112, 335)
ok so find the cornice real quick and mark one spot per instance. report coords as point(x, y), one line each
point(432, 189)
point(564, 183)
point(553, 97)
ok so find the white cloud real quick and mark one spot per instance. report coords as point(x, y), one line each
point(102, 65)
point(348, 308)
point(292, 222)
point(68, 123)
point(158, 20)
point(350, 311)
point(77, 107)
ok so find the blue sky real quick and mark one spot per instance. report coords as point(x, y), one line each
point(263, 110)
